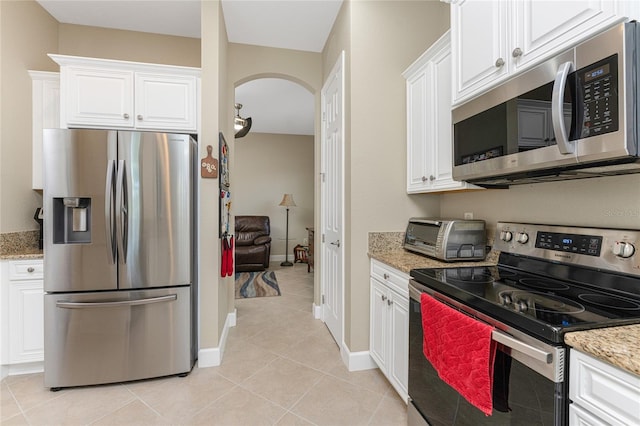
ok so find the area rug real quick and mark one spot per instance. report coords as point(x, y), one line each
point(256, 284)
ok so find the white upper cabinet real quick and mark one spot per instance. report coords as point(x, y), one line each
point(493, 40)
point(479, 45)
point(165, 101)
point(429, 143)
point(98, 93)
point(94, 97)
point(45, 101)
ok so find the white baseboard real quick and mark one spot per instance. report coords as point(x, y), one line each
point(23, 368)
point(317, 311)
point(212, 357)
point(357, 361)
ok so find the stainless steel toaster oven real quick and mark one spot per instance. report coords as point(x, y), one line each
point(447, 239)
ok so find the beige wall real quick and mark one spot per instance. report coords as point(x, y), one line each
point(214, 300)
point(94, 42)
point(27, 34)
point(266, 167)
point(612, 202)
point(383, 38)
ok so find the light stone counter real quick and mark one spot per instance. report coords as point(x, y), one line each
point(386, 247)
point(619, 346)
point(20, 245)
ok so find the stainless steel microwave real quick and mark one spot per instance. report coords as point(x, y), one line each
point(573, 116)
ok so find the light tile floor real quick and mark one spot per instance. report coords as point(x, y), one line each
point(280, 367)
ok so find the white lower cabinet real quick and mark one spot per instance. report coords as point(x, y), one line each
point(22, 316)
point(389, 322)
point(601, 393)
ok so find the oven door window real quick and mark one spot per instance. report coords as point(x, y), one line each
point(521, 395)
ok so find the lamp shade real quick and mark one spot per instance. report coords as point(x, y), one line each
point(287, 201)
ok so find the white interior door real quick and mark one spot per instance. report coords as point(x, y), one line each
point(332, 214)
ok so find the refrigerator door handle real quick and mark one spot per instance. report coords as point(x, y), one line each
point(108, 212)
point(82, 305)
point(121, 211)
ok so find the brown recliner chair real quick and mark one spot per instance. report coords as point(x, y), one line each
point(253, 243)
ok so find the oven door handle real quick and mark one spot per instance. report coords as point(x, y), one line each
point(528, 350)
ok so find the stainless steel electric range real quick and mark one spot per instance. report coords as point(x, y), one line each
point(549, 280)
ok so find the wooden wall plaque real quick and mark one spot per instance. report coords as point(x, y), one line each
point(209, 165)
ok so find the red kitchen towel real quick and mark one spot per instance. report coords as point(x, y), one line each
point(461, 350)
point(225, 255)
point(230, 257)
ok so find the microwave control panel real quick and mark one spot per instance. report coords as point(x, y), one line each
point(598, 84)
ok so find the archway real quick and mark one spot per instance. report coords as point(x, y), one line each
point(276, 157)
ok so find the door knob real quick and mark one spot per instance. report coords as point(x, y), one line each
point(517, 52)
point(499, 62)
point(140, 117)
point(126, 116)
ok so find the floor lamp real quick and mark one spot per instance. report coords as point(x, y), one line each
point(287, 201)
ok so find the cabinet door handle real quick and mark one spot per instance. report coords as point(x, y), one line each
point(30, 269)
point(126, 116)
point(140, 117)
point(424, 178)
point(499, 62)
point(389, 302)
point(384, 297)
point(432, 178)
point(386, 276)
point(517, 52)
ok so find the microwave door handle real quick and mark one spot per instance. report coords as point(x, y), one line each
point(557, 106)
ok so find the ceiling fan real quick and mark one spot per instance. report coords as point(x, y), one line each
point(241, 125)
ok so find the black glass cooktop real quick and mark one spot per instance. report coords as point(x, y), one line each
point(553, 300)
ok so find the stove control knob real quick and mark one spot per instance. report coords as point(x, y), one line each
point(624, 250)
point(522, 306)
point(506, 236)
point(522, 238)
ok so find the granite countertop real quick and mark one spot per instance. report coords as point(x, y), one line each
point(31, 253)
point(618, 346)
point(405, 261)
point(386, 247)
point(20, 245)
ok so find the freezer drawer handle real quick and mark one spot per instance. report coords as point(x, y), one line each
point(81, 305)
point(512, 343)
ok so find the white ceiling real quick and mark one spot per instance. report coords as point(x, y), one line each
point(275, 105)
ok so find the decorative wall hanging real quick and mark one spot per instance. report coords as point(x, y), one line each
point(209, 165)
point(224, 162)
point(225, 195)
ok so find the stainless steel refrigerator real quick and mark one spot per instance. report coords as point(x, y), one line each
point(119, 256)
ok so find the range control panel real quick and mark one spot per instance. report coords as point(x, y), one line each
point(572, 243)
point(608, 249)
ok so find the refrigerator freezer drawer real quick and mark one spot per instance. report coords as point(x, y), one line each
point(108, 337)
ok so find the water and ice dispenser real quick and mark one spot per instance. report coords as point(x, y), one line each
point(71, 220)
